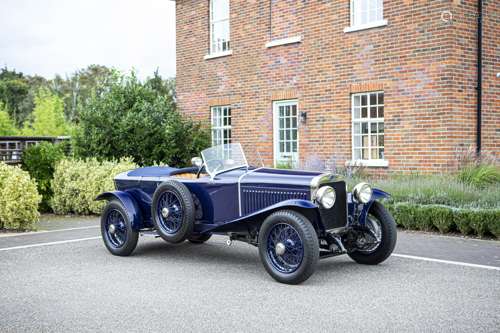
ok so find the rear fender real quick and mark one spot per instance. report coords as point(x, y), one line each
point(377, 195)
point(131, 207)
point(305, 207)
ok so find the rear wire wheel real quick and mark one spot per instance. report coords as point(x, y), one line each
point(173, 211)
point(116, 229)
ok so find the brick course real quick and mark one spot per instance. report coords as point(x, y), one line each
point(425, 66)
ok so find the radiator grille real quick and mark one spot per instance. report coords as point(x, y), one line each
point(254, 199)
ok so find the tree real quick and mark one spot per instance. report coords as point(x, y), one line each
point(7, 126)
point(14, 89)
point(131, 119)
point(48, 116)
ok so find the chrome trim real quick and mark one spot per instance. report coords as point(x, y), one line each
point(324, 178)
point(239, 187)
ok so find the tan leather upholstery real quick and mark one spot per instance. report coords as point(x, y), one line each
point(187, 175)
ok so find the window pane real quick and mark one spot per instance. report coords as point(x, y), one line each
point(357, 128)
point(374, 140)
point(364, 128)
point(220, 36)
point(282, 135)
point(381, 140)
point(357, 100)
point(294, 122)
point(381, 127)
point(381, 98)
point(282, 111)
point(374, 155)
point(294, 146)
point(373, 99)
point(288, 135)
point(357, 154)
point(364, 100)
point(381, 153)
point(220, 10)
point(364, 154)
point(282, 122)
point(373, 112)
point(364, 142)
point(357, 141)
point(287, 111)
point(282, 147)
point(294, 110)
point(287, 147)
point(373, 128)
point(287, 122)
point(364, 112)
point(381, 112)
point(357, 113)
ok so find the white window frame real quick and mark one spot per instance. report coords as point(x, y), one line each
point(276, 131)
point(214, 51)
point(376, 162)
point(217, 124)
point(372, 24)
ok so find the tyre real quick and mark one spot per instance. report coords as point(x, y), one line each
point(199, 239)
point(173, 211)
point(382, 224)
point(288, 247)
point(116, 229)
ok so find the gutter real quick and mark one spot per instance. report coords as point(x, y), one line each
point(479, 75)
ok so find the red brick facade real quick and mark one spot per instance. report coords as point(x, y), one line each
point(424, 60)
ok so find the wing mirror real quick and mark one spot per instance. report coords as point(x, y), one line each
point(197, 162)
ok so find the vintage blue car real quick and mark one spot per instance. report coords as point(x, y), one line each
point(293, 217)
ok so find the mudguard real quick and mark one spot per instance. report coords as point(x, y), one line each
point(131, 206)
point(377, 195)
point(305, 207)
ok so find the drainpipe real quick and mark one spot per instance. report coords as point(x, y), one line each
point(479, 74)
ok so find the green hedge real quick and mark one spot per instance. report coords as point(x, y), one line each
point(19, 199)
point(40, 161)
point(444, 219)
point(77, 183)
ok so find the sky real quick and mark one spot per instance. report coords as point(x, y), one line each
point(48, 37)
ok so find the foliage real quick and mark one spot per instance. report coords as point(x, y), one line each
point(437, 190)
point(40, 161)
point(133, 119)
point(445, 219)
point(7, 126)
point(48, 116)
point(77, 183)
point(480, 175)
point(19, 199)
point(14, 88)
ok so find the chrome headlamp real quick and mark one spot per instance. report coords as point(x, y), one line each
point(362, 192)
point(326, 196)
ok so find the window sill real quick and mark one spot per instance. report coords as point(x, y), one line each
point(284, 41)
point(368, 163)
point(218, 55)
point(370, 25)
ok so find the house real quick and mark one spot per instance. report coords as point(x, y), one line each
point(391, 85)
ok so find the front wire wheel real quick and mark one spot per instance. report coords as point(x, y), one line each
point(383, 233)
point(116, 229)
point(288, 247)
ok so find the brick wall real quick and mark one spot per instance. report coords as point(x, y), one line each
point(426, 67)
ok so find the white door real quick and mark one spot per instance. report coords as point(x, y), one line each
point(286, 133)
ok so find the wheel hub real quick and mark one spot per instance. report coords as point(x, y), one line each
point(165, 212)
point(112, 229)
point(280, 249)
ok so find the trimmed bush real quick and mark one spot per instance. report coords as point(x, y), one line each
point(478, 222)
point(461, 217)
point(77, 183)
point(493, 221)
point(19, 199)
point(442, 218)
point(405, 215)
point(40, 161)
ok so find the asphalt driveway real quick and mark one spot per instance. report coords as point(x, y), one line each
point(65, 280)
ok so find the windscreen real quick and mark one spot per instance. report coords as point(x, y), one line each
point(223, 157)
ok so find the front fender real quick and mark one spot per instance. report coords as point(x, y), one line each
point(305, 207)
point(131, 207)
point(378, 194)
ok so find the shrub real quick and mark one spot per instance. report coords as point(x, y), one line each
point(136, 120)
point(461, 217)
point(19, 199)
point(478, 222)
point(77, 183)
point(40, 161)
point(479, 175)
point(442, 218)
point(493, 221)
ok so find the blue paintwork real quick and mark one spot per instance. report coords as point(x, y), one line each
point(262, 191)
point(377, 195)
point(133, 210)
